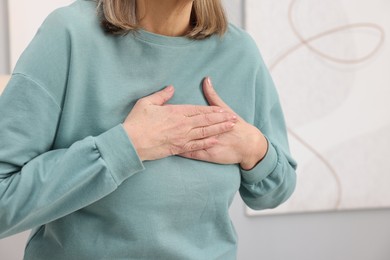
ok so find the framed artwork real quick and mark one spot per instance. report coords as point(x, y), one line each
point(330, 61)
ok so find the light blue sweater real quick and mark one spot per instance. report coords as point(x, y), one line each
point(69, 171)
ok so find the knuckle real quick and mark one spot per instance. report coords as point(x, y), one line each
point(210, 142)
point(141, 102)
point(203, 132)
point(227, 126)
point(191, 146)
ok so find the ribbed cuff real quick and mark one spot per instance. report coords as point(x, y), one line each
point(264, 168)
point(119, 153)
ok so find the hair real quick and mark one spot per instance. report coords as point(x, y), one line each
point(118, 17)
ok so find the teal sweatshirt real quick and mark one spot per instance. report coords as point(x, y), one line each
point(69, 171)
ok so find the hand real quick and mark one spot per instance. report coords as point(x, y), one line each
point(245, 144)
point(158, 130)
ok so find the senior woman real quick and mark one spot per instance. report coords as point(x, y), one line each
point(116, 145)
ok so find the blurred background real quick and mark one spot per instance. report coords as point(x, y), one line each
point(330, 61)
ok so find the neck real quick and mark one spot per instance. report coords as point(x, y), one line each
point(166, 17)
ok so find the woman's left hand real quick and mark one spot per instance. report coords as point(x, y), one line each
point(245, 144)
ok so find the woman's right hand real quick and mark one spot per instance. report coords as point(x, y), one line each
point(158, 130)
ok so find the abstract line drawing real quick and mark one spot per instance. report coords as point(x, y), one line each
point(307, 42)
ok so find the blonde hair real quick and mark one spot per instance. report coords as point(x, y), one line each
point(119, 17)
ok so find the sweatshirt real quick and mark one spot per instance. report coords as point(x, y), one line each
point(69, 171)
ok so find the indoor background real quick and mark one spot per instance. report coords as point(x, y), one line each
point(330, 62)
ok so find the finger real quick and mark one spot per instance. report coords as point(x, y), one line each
point(204, 120)
point(160, 97)
point(212, 96)
point(213, 130)
point(201, 155)
point(201, 144)
point(194, 110)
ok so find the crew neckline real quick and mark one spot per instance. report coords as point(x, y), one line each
point(162, 39)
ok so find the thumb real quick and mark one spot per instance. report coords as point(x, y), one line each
point(212, 97)
point(159, 98)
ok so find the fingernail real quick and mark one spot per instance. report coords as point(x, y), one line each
point(208, 79)
point(169, 89)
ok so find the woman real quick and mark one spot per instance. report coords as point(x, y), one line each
point(104, 162)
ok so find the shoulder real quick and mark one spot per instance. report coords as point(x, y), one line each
point(80, 10)
point(241, 42)
point(235, 33)
point(47, 58)
point(79, 16)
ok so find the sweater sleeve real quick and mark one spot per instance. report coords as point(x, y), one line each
point(38, 183)
point(273, 179)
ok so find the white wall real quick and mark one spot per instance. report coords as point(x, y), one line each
point(353, 235)
point(4, 55)
point(23, 26)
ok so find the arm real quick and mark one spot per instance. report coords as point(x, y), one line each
point(272, 180)
point(262, 151)
point(39, 185)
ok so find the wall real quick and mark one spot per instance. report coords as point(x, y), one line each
point(4, 55)
point(352, 235)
